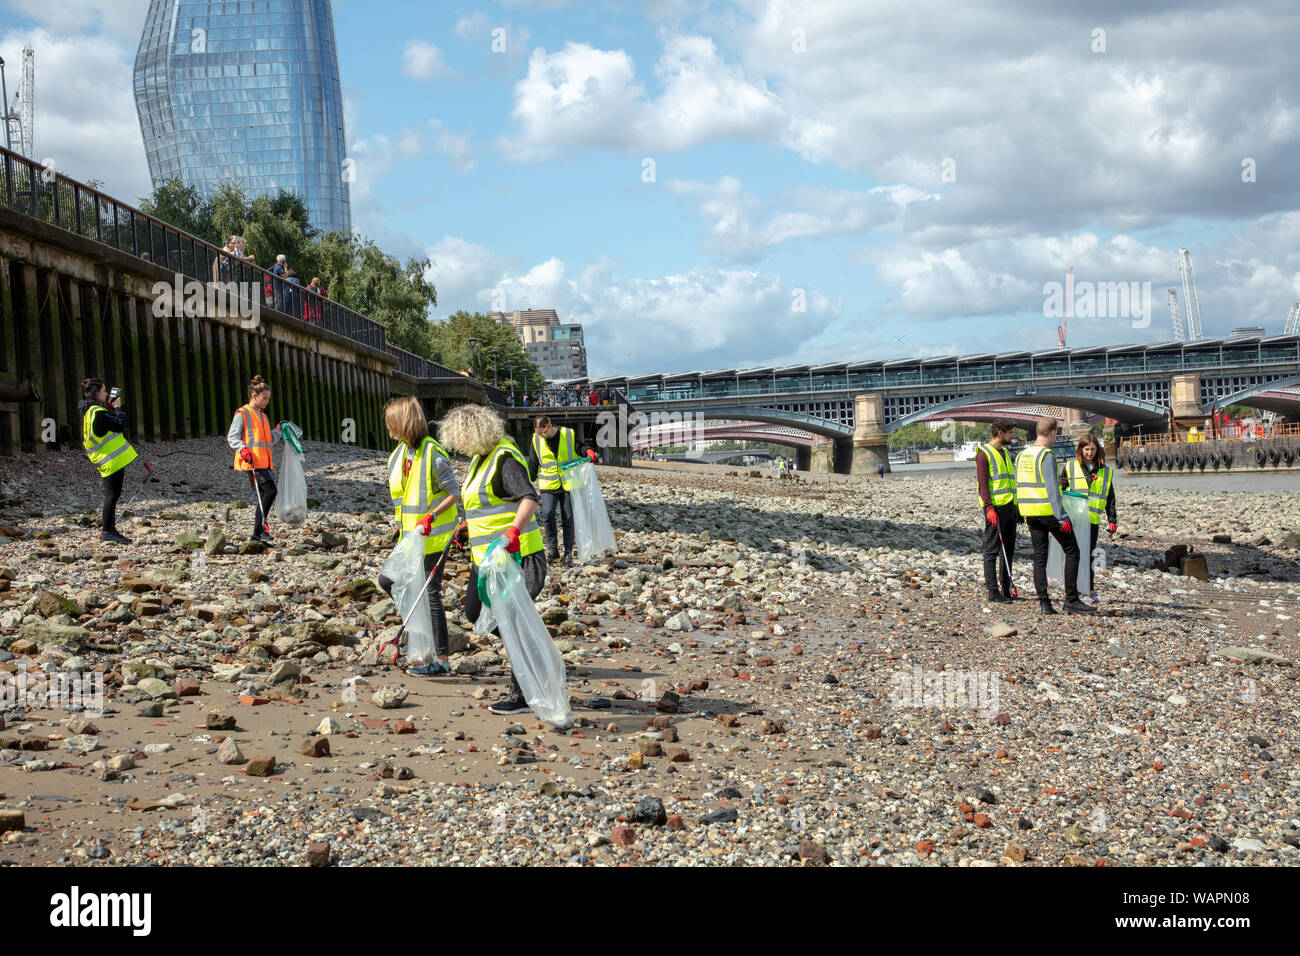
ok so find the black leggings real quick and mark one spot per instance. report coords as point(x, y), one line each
point(112, 494)
point(437, 613)
point(263, 482)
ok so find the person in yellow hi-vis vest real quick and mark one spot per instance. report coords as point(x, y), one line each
point(1039, 500)
point(251, 436)
point(500, 502)
point(426, 500)
point(550, 449)
point(995, 479)
point(103, 427)
point(1088, 474)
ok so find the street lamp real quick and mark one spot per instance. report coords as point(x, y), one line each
point(511, 366)
point(496, 382)
point(473, 355)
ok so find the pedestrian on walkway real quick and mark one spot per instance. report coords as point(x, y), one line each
point(1038, 498)
point(103, 427)
point(251, 436)
point(551, 448)
point(1088, 474)
point(426, 500)
point(995, 479)
point(500, 502)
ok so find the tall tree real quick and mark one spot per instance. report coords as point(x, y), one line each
point(451, 345)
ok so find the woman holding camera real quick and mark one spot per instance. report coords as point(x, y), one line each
point(103, 427)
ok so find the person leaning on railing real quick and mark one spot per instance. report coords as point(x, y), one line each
point(312, 302)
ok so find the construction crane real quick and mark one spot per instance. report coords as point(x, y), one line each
point(19, 116)
point(1175, 318)
point(1293, 320)
point(1065, 316)
point(1189, 296)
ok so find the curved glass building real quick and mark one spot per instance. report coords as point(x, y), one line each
point(245, 90)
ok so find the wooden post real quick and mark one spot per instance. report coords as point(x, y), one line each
point(10, 364)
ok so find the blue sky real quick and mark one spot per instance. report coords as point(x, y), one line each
point(911, 173)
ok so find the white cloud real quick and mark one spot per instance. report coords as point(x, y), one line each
point(454, 146)
point(423, 61)
point(475, 26)
point(122, 18)
point(581, 96)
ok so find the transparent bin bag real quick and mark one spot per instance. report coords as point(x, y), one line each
point(291, 496)
point(1076, 506)
point(592, 534)
point(533, 655)
point(405, 568)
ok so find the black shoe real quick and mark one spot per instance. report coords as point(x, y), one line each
point(1008, 596)
point(1078, 607)
point(1046, 607)
point(567, 560)
point(511, 704)
point(552, 554)
point(997, 598)
point(114, 537)
point(263, 537)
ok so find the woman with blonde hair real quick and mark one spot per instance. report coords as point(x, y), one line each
point(426, 498)
point(1088, 474)
point(500, 502)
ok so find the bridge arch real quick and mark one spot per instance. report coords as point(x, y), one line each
point(1254, 396)
point(771, 416)
point(1110, 404)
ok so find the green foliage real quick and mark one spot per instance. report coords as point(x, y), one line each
point(921, 436)
point(180, 205)
point(451, 347)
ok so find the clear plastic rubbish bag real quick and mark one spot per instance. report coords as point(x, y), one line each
point(291, 495)
point(1076, 506)
point(592, 534)
point(405, 568)
point(533, 655)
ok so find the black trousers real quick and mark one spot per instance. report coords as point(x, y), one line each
point(996, 538)
point(533, 568)
point(263, 482)
point(550, 499)
point(1092, 564)
point(437, 613)
point(1041, 529)
point(112, 494)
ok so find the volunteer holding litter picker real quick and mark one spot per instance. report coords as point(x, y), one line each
point(499, 502)
point(426, 501)
point(251, 436)
point(103, 424)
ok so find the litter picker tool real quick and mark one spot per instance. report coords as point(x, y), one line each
point(266, 525)
point(148, 473)
point(396, 639)
point(1015, 591)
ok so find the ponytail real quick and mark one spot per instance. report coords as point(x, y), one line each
point(90, 389)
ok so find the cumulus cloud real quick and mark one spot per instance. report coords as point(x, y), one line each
point(582, 96)
point(423, 61)
point(454, 146)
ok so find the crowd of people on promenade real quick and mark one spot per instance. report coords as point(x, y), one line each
point(282, 288)
point(566, 396)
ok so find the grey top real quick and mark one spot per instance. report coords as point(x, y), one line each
point(446, 476)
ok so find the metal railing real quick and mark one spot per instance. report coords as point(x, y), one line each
point(47, 195)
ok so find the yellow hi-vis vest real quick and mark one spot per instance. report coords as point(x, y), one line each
point(1031, 485)
point(489, 516)
point(1098, 491)
point(418, 492)
point(1002, 476)
point(550, 476)
point(110, 452)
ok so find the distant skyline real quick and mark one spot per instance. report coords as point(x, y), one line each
point(772, 182)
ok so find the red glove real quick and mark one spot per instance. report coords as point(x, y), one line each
point(591, 455)
point(425, 524)
point(512, 539)
point(1111, 527)
point(991, 516)
point(1067, 527)
point(461, 534)
point(246, 454)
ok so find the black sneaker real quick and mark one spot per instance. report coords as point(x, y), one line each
point(114, 537)
point(567, 561)
point(1078, 607)
point(996, 597)
point(511, 704)
point(552, 554)
point(1008, 596)
point(1046, 607)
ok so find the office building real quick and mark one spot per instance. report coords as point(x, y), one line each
point(556, 348)
point(247, 91)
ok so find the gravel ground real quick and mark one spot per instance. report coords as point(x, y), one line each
point(766, 672)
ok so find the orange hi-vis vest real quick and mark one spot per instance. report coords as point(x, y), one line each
point(257, 438)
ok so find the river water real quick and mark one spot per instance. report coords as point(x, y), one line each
point(1209, 481)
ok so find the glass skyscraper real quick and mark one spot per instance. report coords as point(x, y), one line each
point(245, 90)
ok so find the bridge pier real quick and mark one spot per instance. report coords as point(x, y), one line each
point(822, 455)
point(803, 458)
point(1185, 397)
point(870, 442)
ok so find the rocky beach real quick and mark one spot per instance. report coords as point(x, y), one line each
point(768, 671)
